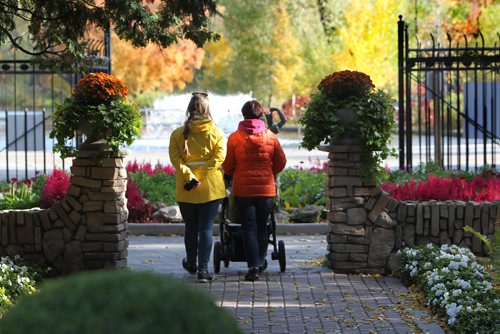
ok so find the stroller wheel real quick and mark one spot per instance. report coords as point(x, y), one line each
point(217, 256)
point(282, 255)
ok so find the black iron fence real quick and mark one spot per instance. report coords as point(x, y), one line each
point(28, 96)
point(449, 102)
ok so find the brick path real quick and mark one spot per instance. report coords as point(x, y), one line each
point(306, 298)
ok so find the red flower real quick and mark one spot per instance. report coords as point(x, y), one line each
point(344, 84)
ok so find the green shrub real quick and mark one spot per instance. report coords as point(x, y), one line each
point(21, 195)
point(156, 187)
point(16, 280)
point(117, 302)
point(299, 188)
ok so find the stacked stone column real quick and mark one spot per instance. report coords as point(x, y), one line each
point(99, 186)
point(353, 241)
point(85, 230)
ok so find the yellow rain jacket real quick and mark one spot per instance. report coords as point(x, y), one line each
point(207, 151)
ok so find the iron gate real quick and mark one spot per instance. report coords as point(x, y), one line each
point(28, 96)
point(449, 102)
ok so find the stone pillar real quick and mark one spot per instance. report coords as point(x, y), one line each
point(98, 185)
point(351, 235)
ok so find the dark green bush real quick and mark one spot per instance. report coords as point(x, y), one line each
point(117, 302)
point(156, 187)
point(299, 188)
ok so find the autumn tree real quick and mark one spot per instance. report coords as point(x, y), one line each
point(56, 28)
point(153, 69)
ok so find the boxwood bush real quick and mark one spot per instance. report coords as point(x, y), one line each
point(118, 301)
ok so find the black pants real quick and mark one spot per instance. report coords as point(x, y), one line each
point(254, 214)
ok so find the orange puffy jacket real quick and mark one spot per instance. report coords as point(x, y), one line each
point(254, 156)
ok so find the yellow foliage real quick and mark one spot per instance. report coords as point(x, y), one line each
point(285, 49)
point(369, 40)
point(218, 57)
point(151, 68)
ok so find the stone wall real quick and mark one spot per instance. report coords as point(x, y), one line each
point(368, 227)
point(86, 230)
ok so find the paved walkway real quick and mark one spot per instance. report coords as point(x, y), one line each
point(306, 298)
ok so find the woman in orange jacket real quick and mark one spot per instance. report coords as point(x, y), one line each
point(197, 151)
point(254, 157)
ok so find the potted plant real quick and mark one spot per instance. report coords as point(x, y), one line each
point(99, 109)
point(346, 105)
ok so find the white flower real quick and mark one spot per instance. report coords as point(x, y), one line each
point(456, 292)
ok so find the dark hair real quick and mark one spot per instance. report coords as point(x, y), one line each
point(198, 106)
point(252, 110)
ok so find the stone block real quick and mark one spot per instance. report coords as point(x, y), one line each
point(75, 217)
point(20, 217)
point(361, 191)
point(53, 244)
point(72, 201)
point(443, 211)
point(79, 171)
point(336, 238)
point(379, 207)
point(337, 192)
point(451, 219)
point(358, 240)
point(356, 216)
point(104, 173)
point(460, 209)
point(427, 224)
point(92, 206)
point(338, 257)
point(347, 248)
point(427, 211)
point(83, 162)
point(408, 235)
point(81, 232)
point(369, 203)
point(105, 237)
point(115, 264)
point(484, 220)
point(346, 180)
point(358, 257)
point(12, 227)
point(476, 242)
point(30, 238)
point(411, 208)
point(348, 229)
point(477, 209)
point(443, 224)
point(392, 205)
point(381, 245)
point(458, 236)
point(337, 217)
point(112, 162)
point(114, 183)
point(74, 191)
point(469, 214)
point(92, 246)
point(421, 240)
point(419, 229)
point(444, 238)
point(85, 182)
point(117, 189)
point(385, 221)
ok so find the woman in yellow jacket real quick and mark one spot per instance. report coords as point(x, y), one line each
point(197, 151)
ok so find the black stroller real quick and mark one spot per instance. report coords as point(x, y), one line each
point(230, 246)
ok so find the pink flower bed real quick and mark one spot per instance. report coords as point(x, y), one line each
point(482, 188)
point(135, 167)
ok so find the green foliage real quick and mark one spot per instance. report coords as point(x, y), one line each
point(57, 29)
point(21, 195)
point(158, 187)
point(16, 280)
point(375, 123)
point(120, 121)
point(480, 236)
point(299, 188)
point(423, 170)
point(118, 302)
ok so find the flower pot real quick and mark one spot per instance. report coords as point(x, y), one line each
point(91, 134)
point(347, 119)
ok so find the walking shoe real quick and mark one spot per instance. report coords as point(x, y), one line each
point(263, 266)
point(204, 276)
point(252, 274)
point(190, 268)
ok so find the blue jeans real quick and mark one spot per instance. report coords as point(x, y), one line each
point(199, 220)
point(254, 214)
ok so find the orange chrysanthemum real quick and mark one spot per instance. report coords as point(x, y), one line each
point(344, 84)
point(97, 88)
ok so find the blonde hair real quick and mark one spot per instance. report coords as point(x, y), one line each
point(198, 106)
